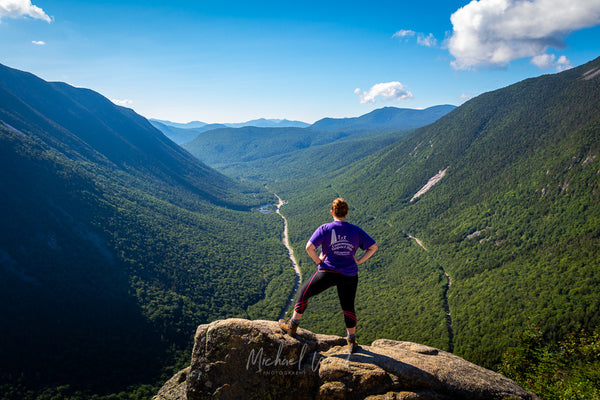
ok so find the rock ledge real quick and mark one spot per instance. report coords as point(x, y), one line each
point(241, 359)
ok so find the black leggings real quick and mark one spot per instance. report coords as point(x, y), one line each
point(321, 280)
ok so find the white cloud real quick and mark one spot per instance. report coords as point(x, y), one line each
point(391, 91)
point(38, 42)
point(491, 33)
point(545, 61)
point(22, 8)
point(404, 33)
point(422, 39)
point(124, 102)
point(427, 41)
point(465, 96)
point(563, 64)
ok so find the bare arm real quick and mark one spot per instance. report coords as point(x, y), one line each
point(367, 254)
point(310, 249)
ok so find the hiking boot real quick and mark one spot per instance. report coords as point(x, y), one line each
point(352, 345)
point(288, 327)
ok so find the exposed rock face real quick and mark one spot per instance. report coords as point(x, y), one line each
point(241, 359)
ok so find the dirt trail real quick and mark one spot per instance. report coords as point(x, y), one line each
point(446, 304)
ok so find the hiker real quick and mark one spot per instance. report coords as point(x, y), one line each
point(337, 266)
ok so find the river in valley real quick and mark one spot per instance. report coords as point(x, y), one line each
point(286, 242)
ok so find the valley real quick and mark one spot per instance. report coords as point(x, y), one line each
point(119, 242)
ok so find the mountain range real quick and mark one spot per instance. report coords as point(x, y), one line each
point(115, 240)
point(220, 146)
point(260, 123)
point(185, 132)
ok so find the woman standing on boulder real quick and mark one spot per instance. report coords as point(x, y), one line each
point(337, 266)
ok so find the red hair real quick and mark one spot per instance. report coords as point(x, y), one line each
point(339, 208)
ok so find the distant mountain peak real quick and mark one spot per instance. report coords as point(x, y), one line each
point(386, 118)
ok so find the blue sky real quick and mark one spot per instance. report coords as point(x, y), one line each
point(232, 61)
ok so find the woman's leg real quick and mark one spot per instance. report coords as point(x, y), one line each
point(347, 293)
point(315, 285)
point(319, 282)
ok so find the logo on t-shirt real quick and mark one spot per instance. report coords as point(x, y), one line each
point(340, 245)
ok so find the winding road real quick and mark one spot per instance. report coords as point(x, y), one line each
point(286, 242)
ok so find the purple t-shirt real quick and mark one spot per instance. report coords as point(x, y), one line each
point(340, 240)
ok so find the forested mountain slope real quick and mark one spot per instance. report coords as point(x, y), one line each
point(116, 243)
point(514, 221)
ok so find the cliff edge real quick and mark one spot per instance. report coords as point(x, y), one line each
point(241, 359)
